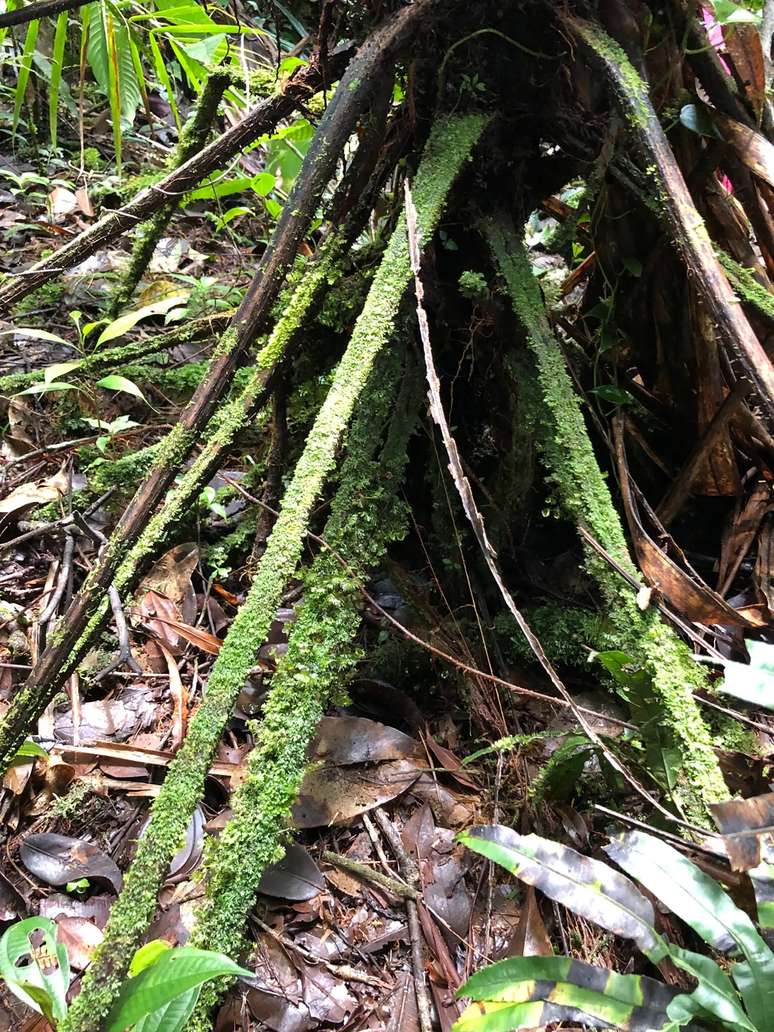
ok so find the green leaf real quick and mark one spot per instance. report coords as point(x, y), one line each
point(42, 981)
point(128, 320)
point(49, 388)
point(728, 13)
point(147, 955)
point(110, 59)
point(696, 118)
point(631, 1002)
point(53, 372)
point(57, 59)
point(24, 70)
point(177, 971)
point(615, 395)
point(33, 331)
point(714, 994)
point(699, 901)
point(114, 382)
point(161, 71)
point(28, 750)
point(588, 887)
point(173, 1016)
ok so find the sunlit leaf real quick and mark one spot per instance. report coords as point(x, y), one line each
point(114, 382)
point(128, 320)
point(587, 887)
point(42, 986)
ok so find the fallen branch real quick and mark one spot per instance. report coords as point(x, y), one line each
point(33, 12)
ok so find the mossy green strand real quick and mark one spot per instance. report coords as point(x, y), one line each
point(322, 651)
point(448, 147)
point(585, 497)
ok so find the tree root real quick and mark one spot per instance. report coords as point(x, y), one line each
point(365, 517)
point(585, 498)
point(350, 101)
point(677, 208)
point(447, 149)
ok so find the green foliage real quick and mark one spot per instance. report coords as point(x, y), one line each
point(159, 996)
point(559, 988)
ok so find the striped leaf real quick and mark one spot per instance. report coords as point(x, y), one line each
point(714, 996)
point(587, 887)
point(568, 990)
point(699, 901)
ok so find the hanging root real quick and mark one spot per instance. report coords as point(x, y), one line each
point(365, 518)
point(447, 149)
point(585, 498)
point(192, 138)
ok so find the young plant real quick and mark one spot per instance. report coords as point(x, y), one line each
point(526, 992)
point(159, 996)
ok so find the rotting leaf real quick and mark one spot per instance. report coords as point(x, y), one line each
point(747, 827)
point(343, 740)
point(335, 795)
point(296, 877)
point(59, 859)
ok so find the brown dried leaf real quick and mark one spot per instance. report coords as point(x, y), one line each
point(335, 795)
point(343, 740)
point(81, 937)
point(747, 827)
point(195, 635)
point(753, 149)
point(531, 938)
point(58, 859)
point(39, 493)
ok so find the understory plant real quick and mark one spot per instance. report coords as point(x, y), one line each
point(159, 995)
point(527, 992)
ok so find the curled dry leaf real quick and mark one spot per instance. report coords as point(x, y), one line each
point(58, 859)
point(335, 795)
point(80, 937)
point(357, 740)
point(296, 877)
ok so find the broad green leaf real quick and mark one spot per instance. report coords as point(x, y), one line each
point(631, 1002)
point(699, 901)
point(110, 59)
point(53, 372)
point(714, 993)
point(762, 878)
point(588, 887)
point(24, 70)
point(502, 1017)
point(173, 1016)
point(37, 975)
point(728, 13)
point(57, 59)
point(177, 971)
point(128, 320)
point(114, 382)
point(147, 955)
point(28, 750)
point(696, 118)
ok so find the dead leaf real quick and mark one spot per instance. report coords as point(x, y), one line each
point(689, 595)
point(449, 762)
point(753, 149)
point(179, 700)
point(84, 201)
point(195, 635)
point(740, 533)
point(80, 937)
point(58, 859)
point(295, 877)
point(334, 795)
point(343, 740)
point(531, 938)
point(61, 202)
point(744, 45)
point(171, 574)
point(747, 827)
point(39, 493)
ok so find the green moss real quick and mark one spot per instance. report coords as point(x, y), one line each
point(632, 90)
point(447, 149)
point(365, 517)
point(567, 633)
point(585, 499)
point(47, 295)
point(473, 286)
point(745, 285)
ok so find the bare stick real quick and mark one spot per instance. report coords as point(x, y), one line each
point(32, 12)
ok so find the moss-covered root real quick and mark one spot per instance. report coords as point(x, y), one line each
point(585, 498)
point(365, 518)
point(192, 138)
point(447, 149)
